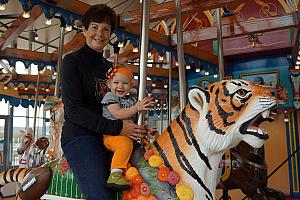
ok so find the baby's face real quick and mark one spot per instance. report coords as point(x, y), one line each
point(119, 85)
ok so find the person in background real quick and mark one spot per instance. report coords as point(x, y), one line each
point(83, 86)
point(118, 104)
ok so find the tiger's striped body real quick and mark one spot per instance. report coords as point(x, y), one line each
point(209, 125)
point(13, 175)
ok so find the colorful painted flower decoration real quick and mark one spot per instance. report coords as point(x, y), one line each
point(155, 161)
point(162, 174)
point(135, 191)
point(173, 178)
point(142, 198)
point(148, 154)
point(184, 192)
point(130, 173)
point(126, 195)
point(64, 167)
point(137, 180)
point(152, 198)
point(145, 189)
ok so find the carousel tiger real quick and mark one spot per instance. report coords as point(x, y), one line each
point(13, 175)
point(213, 121)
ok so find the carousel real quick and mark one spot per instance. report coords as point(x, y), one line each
point(224, 75)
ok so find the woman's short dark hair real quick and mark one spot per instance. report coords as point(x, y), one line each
point(99, 13)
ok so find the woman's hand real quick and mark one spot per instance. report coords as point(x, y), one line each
point(133, 131)
point(151, 134)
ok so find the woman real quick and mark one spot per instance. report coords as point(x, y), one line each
point(83, 85)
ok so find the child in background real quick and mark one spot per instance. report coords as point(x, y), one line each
point(118, 104)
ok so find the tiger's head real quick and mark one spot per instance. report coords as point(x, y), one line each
point(233, 110)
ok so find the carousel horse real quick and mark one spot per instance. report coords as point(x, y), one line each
point(55, 105)
point(33, 152)
point(213, 121)
point(242, 162)
point(26, 141)
point(5, 77)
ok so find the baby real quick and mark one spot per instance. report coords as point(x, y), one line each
point(118, 104)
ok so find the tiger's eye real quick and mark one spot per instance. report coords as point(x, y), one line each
point(241, 92)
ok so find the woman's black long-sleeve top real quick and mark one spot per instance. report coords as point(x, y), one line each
point(83, 86)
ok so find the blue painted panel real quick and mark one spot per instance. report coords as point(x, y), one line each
point(260, 62)
point(278, 63)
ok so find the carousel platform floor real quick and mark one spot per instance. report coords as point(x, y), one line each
point(8, 198)
point(13, 198)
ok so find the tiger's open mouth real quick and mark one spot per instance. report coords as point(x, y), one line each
point(252, 126)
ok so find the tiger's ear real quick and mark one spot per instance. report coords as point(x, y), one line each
point(198, 97)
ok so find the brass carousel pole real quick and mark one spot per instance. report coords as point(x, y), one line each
point(180, 54)
point(169, 62)
point(161, 116)
point(221, 66)
point(220, 44)
point(36, 101)
point(60, 52)
point(144, 56)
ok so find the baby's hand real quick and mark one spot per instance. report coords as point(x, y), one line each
point(144, 104)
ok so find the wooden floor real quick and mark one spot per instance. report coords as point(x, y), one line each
point(14, 198)
point(8, 198)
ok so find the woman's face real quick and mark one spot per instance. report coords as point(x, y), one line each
point(97, 35)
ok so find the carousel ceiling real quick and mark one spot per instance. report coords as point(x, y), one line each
point(198, 18)
point(249, 27)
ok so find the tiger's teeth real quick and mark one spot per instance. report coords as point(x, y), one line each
point(259, 131)
point(273, 113)
point(265, 114)
point(254, 129)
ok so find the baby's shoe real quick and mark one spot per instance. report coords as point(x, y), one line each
point(116, 181)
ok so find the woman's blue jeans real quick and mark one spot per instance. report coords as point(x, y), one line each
point(90, 163)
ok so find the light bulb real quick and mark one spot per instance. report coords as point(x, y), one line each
point(36, 37)
point(135, 50)
point(120, 44)
point(69, 28)
point(48, 22)
point(2, 6)
point(26, 14)
point(197, 70)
